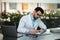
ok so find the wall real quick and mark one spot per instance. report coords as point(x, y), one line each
point(33, 1)
point(51, 6)
point(0, 7)
point(31, 7)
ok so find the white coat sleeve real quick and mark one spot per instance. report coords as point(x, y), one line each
point(21, 27)
point(42, 25)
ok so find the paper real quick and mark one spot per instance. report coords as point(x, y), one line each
point(47, 32)
point(38, 33)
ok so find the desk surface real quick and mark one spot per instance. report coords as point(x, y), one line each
point(48, 36)
point(51, 36)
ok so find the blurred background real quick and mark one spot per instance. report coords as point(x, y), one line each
point(12, 10)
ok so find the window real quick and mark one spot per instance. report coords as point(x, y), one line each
point(12, 5)
point(24, 6)
point(58, 5)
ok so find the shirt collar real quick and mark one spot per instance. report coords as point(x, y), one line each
point(32, 17)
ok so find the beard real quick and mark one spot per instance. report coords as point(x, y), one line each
point(35, 18)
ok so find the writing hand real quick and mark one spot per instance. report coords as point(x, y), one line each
point(33, 31)
point(41, 30)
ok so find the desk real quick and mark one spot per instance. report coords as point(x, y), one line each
point(51, 36)
point(48, 36)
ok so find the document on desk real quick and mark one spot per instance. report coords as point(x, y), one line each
point(45, 33)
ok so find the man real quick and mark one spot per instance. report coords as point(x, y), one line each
point(29, 24)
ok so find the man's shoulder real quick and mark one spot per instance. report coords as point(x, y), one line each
point(39, 19)
point(25, 17)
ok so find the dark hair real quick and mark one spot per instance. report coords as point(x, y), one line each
point(39, 9)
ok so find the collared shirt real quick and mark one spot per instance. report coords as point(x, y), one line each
point(32, 19)
point(26, 23)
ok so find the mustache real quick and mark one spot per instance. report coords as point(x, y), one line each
point(35, 18)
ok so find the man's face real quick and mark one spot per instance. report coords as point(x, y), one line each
point(37, 14)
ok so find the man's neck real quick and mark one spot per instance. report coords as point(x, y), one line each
point(33, 16)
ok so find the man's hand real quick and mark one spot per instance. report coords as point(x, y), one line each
point(36, 31)
point(33, 31)
point(41, 30)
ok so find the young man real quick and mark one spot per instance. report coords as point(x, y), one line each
point(28, 25)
